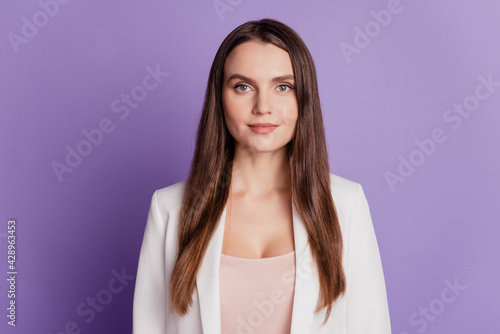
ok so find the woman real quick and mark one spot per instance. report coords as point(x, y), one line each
point(261, 237)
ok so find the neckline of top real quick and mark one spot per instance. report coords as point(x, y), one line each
point(257, 259)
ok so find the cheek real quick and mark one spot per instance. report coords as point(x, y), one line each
point(227, 108)
point(290, 113)
point(233, 109)
point(234, 104)
point(232, 118)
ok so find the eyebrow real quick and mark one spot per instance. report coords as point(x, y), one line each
point(275, 79)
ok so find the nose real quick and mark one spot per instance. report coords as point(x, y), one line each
point(263, 103)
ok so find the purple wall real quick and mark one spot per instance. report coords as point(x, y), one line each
point(410, 93)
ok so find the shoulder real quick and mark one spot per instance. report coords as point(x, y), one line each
point(343, 189)
point(170, 197)
point(346, 194)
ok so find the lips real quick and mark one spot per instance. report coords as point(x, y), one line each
point(262, 125)
point(262, 128)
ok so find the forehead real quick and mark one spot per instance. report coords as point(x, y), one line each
point(258, 59)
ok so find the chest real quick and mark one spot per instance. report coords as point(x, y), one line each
point(259, 227)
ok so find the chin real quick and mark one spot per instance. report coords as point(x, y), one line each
point(264, 148)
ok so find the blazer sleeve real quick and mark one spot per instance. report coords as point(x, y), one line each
point(367, 306)
point(150, 294)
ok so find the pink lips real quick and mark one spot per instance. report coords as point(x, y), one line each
point(262, 128)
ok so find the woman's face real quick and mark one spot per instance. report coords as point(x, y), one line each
point(259, 87)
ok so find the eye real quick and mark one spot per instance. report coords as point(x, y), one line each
point(241, 85)
point(285, 87)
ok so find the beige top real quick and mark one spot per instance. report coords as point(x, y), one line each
point(256, 295)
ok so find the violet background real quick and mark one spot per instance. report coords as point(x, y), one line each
point(440, 224)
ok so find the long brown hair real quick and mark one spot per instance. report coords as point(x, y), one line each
point(207, 186)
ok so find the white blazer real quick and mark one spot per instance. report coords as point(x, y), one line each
point(362, 310)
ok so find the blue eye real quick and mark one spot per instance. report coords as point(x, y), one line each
point(286, 86)
point(246, 88)
point(236, 87)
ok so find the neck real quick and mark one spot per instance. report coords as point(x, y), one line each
point(260, 173)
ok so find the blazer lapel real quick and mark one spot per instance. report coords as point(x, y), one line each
point(306, 281)
point(207, 281)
